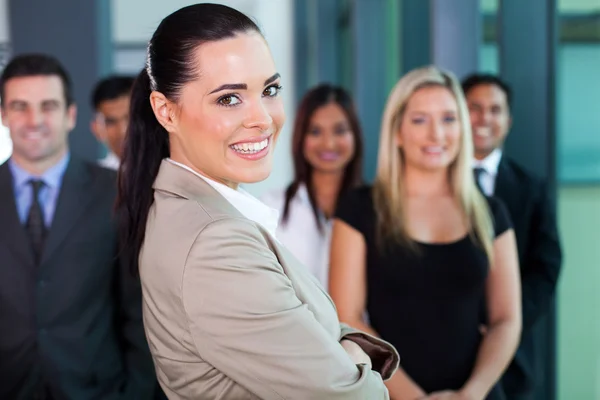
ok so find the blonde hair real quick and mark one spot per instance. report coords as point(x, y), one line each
point(388, 187)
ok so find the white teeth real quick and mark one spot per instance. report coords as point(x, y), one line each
point(33, 135)
point(434, 149)
point(482, 131)
point(249, 148)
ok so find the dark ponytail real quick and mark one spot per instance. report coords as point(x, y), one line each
point(170, 65)
point(146, 144)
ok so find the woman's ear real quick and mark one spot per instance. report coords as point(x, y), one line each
point(164, 111)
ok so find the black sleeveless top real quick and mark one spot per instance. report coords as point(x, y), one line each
point(429, 304)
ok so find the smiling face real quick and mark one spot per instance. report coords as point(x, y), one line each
point(490, 118)
point(36, 114)
point(226, 122)
point(329, 142)
point(429, 134)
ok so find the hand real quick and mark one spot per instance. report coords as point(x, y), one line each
point(356, 353)
point(447, 395)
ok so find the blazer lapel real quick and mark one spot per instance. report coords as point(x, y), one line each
point(12, 232)
point(503, 180)
point(75, 195)
point(507, 189)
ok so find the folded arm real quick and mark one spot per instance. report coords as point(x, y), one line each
point(247, 322)
point(383, 355)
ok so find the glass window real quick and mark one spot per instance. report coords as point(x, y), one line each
point(578, 92)
point(488, 52)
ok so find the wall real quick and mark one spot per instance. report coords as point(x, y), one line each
point(274, 18)
point(578, 294)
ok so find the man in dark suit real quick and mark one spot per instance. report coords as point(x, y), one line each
point(534, 217)
point(70, 314)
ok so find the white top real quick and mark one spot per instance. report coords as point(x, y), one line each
point(301, 235)
point(244, 202)
point(490, 164)
point(111, 161)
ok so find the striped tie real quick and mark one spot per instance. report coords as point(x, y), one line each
point(35, 220)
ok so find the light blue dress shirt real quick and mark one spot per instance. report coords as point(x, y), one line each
point(48, 196)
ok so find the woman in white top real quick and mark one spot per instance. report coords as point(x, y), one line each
point(327, 149)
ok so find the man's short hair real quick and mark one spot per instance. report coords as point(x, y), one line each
point(35, 65)
point(111, 88)
point(487, 79)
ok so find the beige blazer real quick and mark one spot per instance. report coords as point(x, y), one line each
point(230, 314)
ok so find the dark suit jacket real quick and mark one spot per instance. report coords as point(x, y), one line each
point(74, 322)
point(533, 212)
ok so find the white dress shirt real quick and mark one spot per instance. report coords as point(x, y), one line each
point(300, 234)
point(248, 205)
point(111, 161)
point(490, 164)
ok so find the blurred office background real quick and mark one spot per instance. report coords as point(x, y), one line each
point(548, 50)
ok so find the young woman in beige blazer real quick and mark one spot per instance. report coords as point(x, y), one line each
point(228, 312)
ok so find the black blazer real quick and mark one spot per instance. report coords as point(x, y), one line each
point(75, 322)
point(533, 212)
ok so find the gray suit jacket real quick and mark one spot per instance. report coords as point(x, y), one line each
point(230, 314)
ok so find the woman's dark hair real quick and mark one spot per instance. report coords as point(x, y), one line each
point(314, 99)
point(170, 64)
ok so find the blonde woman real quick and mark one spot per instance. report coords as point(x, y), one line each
point(425, 254)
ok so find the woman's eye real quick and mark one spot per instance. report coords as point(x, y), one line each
point(229, 100)
point(272, 91)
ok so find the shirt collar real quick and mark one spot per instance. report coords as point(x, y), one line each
point(490, 163)
point(111, 157)
point(302, 194)
point(52, 177)
point(244, 202)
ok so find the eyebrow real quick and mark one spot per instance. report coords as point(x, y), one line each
point(51, 102)
point(243, 86)
point(422, 112)
point(17, 103)
point(25, 102)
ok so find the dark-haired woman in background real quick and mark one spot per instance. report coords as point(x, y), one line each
point(327, 152)
point(228, 313)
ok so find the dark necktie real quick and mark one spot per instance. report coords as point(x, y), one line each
point(477, 172)
point(35, 226)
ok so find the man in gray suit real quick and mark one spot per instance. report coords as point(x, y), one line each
point(70, 314)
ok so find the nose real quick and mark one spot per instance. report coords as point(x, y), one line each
point(486, 116)
point(258, 117)
point(34, 117)
point(436, 131)
point(329, 141)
